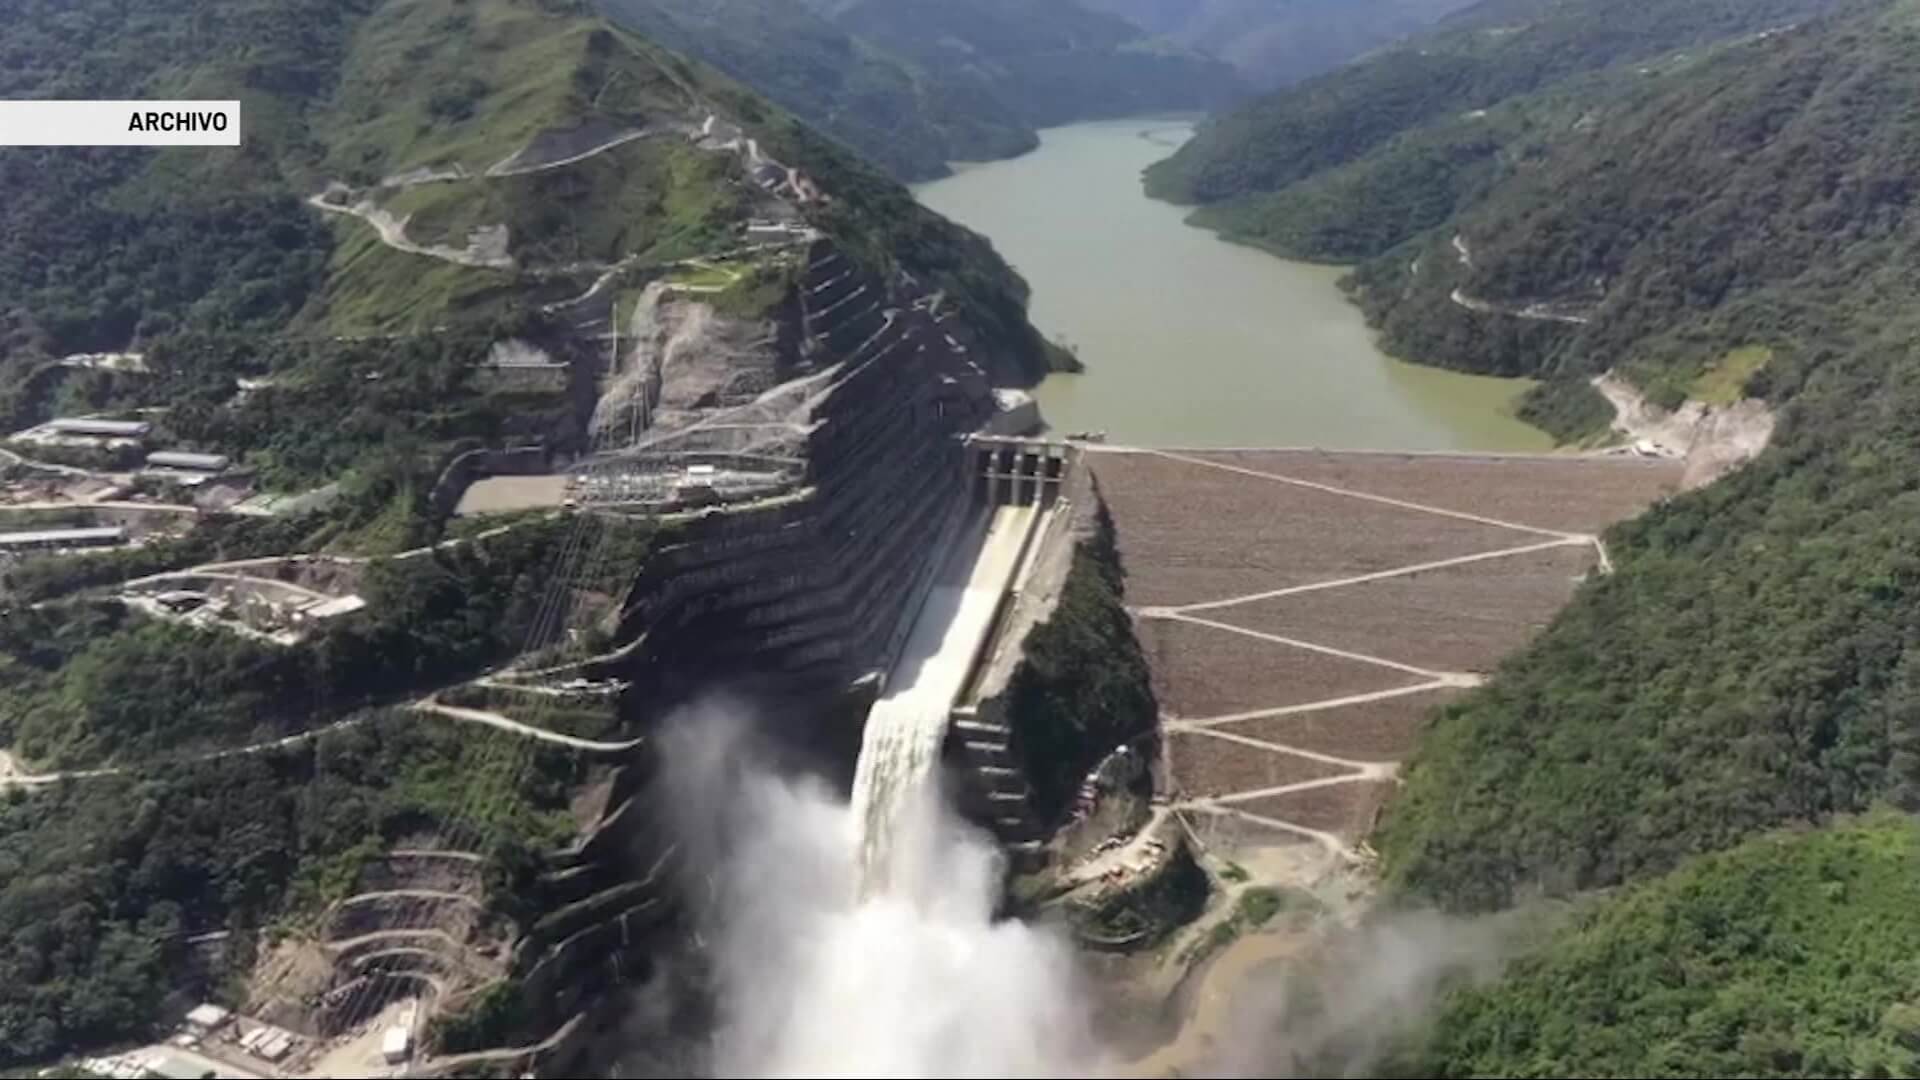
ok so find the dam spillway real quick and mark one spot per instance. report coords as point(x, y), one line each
point(908, 725)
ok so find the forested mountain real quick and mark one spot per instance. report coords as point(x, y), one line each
point(898, 116)
point(1755, 194)
point(381, 106)
point(1579, 201)
point(915, 84)
point(1480, 57)
point(1688, 195)
point(1795, 955)
point(373, 116)
point(358, 93)
point(1275, 43)
point(1052, 62)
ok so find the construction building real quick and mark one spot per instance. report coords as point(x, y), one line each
point(102, 429)
point(180, 459)
point(50, 539)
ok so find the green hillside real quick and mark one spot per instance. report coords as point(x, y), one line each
point(362, 368)
point(355, 93)
point(1050, 63)
point(1278, 44)
point(1794, 955)
point(1713, 204)
point(1746, 664)
point(1484, 55)
point(1760, 192)
point(881, 106)
point(914, 84)
point(218, 266)
point(1664, 211)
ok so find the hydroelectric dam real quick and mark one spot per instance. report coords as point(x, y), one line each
point(858, 538)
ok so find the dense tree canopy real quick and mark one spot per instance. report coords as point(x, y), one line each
point(1790, 956)
point(1484, 55)
point(89, 683)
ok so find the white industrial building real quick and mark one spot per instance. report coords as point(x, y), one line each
point(208, 1016)
point(396, 1044)
point(104, 429)
point(180, 459)
point(45, 539)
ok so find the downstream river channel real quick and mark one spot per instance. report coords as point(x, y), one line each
point(1193, 342)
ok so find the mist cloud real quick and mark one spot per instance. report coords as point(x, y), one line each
point(919, 980)
point(1344, 1010)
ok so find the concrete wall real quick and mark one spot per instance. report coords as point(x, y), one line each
point(799, 597)
point(980, 744)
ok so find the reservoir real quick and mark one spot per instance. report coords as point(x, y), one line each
point(1193, 342)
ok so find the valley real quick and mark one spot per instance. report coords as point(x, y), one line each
point(1192, 342)
point(550, 560)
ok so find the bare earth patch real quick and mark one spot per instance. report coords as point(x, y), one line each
point(498, 494)
point(1202, 671)
point(1189, 533)
point(1456, 618)
point(1379, 731)
point(1205, 766)
point(1345, 810)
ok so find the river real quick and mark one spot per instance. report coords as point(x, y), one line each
point(1193, 342)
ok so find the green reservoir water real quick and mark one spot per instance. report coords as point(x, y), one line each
point(1193, 342)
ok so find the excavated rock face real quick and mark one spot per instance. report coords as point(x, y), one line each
point(417, 926)
point(1713, 440)
point(804, 590)
point(694, 380)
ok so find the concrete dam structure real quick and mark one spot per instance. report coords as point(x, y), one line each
point(875, 590)
point(805, 586)
point(871, 586)
point(1016, 509)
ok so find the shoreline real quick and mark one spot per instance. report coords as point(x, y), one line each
point(1241, 240)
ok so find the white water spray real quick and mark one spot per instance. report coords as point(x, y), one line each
point(897, 761)
point(824, 971)
point(901, 744)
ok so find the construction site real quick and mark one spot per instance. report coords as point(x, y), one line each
point(1301, 612)
point(834, 552)
point(859, 530)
